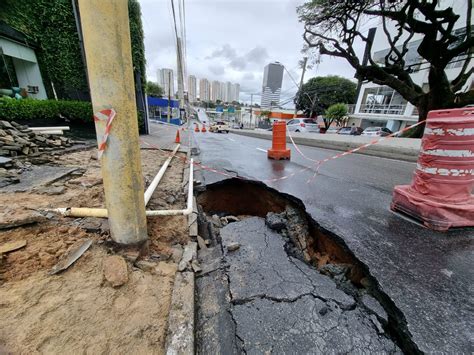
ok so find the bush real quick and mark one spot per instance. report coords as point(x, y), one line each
point(44, 110)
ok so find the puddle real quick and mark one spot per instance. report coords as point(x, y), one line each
point(306, 240)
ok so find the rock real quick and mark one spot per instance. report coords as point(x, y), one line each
point(115, 270)
point(377, 324)
point(334, 269)
point(15, 218)
point(233, 246)
point(5, 124)
point(4, 160)
point(275, 221)
point(195, 266)
point(147, 266)
point(170, 200)
point(201, 242)
point(166, 269)
point(215, 220)
point(176, 253)
point(51, 190)
point(12, 246)
point(373, 305)
point(131, 255)
point(230, 219)
point(189, 254)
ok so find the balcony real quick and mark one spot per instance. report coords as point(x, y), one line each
point(383, 109)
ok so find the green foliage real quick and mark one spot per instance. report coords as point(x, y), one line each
point(153, 89)
point(51, 25)
point(30, 110)
point(265, 114)
point(336, 112)
point(320, 92)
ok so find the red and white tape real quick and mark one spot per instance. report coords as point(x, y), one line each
point(108, 116)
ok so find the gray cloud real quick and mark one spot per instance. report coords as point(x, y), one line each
point(225, 52)
point(238, 63)
point(217, 69)
point(257, 55)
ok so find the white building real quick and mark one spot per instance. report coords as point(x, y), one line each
point(236, 92)
point(166, 81)
point(222, 92)
point(228, 92)
point(192, 88)
point(216, 91)
point(204, 90)
point(381, 105)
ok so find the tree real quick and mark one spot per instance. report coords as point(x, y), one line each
point(153, 89)
point(335, 113)
point(320, 92)
point(332, 27)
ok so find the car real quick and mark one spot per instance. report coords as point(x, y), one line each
point(333, 130)
point(349, 131)
point(376, 132)
point(218, 127)
point(303, 125)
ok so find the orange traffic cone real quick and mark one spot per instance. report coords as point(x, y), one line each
point(203, 129)
point(196, 128)
point(177, 140)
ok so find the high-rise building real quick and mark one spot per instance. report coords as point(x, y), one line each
point(271, 87)
point(216, 91)
point(223, 90)
point(166, 81)
point(192, 88)
point(235, 92)
point(228, 92)
point(204, 90)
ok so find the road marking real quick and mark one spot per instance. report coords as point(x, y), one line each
point(231, 139)
point(262, 150)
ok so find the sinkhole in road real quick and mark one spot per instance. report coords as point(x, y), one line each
point(306, 240)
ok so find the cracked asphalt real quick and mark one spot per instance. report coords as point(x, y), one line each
point(271, 302)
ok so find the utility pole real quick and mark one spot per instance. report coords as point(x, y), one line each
point(106, 35)
point(169, 96)
point(305, 60)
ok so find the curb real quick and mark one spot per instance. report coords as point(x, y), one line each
point(405, 154)
point(180, 333)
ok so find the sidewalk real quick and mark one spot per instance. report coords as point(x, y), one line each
point(395, 148)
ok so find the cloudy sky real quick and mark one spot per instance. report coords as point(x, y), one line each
point(232, 40)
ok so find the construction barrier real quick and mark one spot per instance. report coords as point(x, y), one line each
point(196, 128)
point(440, 195)
point(203, 129)
point(178, 139)
point(278, 150)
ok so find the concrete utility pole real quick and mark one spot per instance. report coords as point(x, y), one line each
point(106, 34)
point(305, 60)
point(169, 97)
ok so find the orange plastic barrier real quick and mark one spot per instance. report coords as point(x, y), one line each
point(278, 150)
point(177, 140)
point(203, 128)
point(196, 128)
point(441, 191)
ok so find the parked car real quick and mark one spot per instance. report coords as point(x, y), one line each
point(303, 125)
point(332, 130)
point(219, 127)
point(376, 131)
point(348, 130)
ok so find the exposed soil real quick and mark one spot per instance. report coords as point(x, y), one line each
point(76, 310)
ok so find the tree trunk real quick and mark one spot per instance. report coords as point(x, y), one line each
point(439, 97)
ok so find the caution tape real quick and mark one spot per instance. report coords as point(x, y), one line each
point(108, 116)
point(314, 168)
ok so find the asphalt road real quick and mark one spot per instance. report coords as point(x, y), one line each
point(428, 275)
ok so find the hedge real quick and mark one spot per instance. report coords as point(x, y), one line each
point(29, 110)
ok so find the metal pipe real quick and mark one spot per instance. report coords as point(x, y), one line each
point(149, 191)
point(102, 212)
point(52, 128)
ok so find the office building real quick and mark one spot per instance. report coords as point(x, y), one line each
point(271, 87)
point(192, 88)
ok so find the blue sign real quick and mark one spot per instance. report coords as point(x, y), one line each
point(219, 109)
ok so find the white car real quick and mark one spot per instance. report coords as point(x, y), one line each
point(376, 132)
point(219, 127)
point(303, 125)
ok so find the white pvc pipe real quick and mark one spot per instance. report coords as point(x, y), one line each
point(149, 191)
point(102, 212)
point(60, 128)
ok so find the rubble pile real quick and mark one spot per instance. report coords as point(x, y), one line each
point(17, 139)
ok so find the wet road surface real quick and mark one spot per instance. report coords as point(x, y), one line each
point(428, 275)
